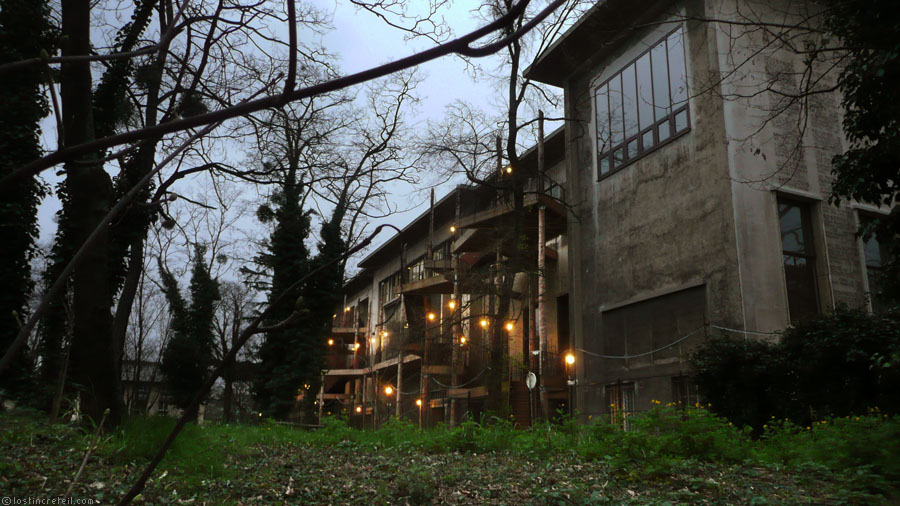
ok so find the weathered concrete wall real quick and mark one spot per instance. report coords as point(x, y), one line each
point(662, 223)
point(778, 147)
point(702, 210)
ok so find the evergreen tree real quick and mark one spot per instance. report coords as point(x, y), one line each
point(25, 32)
point(287, 258)
point(870, 169)
point(189, 353)
point(321, 296)
point(292, 358)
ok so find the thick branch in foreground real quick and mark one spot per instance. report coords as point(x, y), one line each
point(461, 46)
point(245, 336)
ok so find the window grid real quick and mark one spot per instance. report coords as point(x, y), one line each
point(617, 149)
point(799, 256)
point(875, 253)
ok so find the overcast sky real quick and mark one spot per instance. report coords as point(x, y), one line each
point(363, 41)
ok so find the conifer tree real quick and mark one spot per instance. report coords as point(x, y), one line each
point(189, 353)
point(24, 32)
point(287, 259)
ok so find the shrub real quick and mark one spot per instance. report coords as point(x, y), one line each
point(835, 365)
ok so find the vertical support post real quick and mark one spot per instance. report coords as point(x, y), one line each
point(321, 398)
point(399, 410)
point(431, 228)
point(542, 281)
point(456, 328)
point(355, 334)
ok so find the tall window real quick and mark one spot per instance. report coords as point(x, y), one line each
point(389, 289)
point(620, 398)
point(876, 253)
point(684, 392)
point(643, 106)
point(799, 259)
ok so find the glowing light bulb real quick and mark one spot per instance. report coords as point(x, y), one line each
point(419, 402)
point(462, 340)
point(331, 342)
point(388, 390)
point(510, 326)
point(570, 359)
point(452, 229)
point(359, 409)
point(509, 169)
point(452, 304)
point(432, 316)
point(483, 322)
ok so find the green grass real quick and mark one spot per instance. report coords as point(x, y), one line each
point(668, 457)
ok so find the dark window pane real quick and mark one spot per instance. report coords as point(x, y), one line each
point(618, 157)
point(633, 148)
point(799, 260)
point(873, 251)
point(794, 224)
point(616, 125)
point(681, 121)
point(645, 91)
point(664, 131)
point(660, 81)
point(677, 79)
point(602, 119)
point(629, 101)
point(647, 140)
point(604, 165)
point(800, 276)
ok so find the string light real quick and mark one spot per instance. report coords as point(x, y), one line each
point(432, 316)
point(331, 342)
point(347, 309)
point(373, 340)
point(388, 390)
point(359, 409)
point(418, 403)
point(509, 169)
point(384, 333)
point(452, 304)
point(355, 346)
point(570, 359)
point(452, 229)
point(510, 326)
point(483, 322)
point(462, 340)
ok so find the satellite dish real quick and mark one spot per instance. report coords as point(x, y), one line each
point(530, 380)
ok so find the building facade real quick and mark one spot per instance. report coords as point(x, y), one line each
point(414, 336)
point(696, 185)
point(701, 189)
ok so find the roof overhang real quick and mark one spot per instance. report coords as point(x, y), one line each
point(592, 36)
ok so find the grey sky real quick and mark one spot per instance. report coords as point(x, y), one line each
point(363, 41)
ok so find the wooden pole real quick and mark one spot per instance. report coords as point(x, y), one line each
point(542, 280)
point(456, 329)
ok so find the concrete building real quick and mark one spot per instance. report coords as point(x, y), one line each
point(699, 192)
point(413, 338)
point(696, 185)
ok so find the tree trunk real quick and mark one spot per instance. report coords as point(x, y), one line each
point(93, 351)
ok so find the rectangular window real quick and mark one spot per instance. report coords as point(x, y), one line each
point(876, 255)
point(389, 289)
point(620, 399)
point(642, 106)
point(799, 257)
point(684, 392)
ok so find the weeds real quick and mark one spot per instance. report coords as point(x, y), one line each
point(674, 455)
